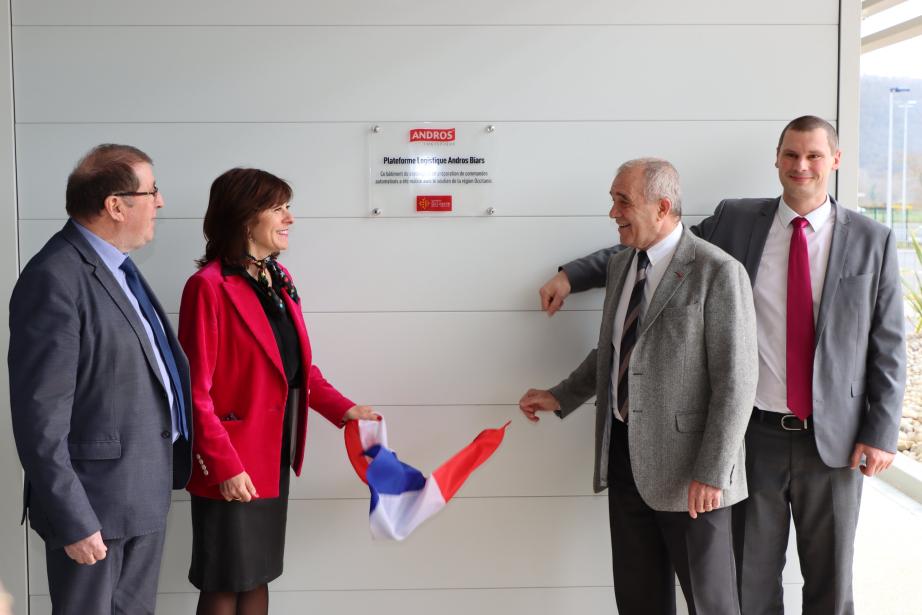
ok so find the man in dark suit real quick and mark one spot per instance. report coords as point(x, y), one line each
point(99, 392)
point(832, 365)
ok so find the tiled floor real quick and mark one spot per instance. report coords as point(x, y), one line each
point(888, 552)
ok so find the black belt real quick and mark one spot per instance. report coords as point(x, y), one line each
point(784, 422)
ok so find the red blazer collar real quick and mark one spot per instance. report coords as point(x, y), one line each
point(247, 304)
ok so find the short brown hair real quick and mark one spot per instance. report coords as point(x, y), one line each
point(105, 169)
point(806, 123)
point(237, 197)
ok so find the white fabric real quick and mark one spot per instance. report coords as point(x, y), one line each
point(396, 516)
point(372, 432)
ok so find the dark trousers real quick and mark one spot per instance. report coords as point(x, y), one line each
point(649, 547)
point(125, 582)
point(787, 479)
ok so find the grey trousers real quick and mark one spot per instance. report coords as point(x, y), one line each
point(787, 479)
point(125, 582)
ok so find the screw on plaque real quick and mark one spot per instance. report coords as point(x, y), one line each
point(491, 128)
point(376, 128)
point(377, 211)
point(491, 211)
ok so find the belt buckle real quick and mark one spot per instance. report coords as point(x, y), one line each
point(799, 425)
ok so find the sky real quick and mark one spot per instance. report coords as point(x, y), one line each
point(900, 60)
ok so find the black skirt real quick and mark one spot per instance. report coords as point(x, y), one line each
point(238, 546)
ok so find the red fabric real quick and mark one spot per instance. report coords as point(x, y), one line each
point(450, 476)
point(354, 451)
point(236, 370)
point(800, 327)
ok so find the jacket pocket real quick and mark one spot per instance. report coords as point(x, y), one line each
point(690, 423)
point(92, 450)
point(858, 387)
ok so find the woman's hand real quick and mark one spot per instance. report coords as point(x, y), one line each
point(239, 488)
point(361, 413)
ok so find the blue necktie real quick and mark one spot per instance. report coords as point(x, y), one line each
point(133, 278)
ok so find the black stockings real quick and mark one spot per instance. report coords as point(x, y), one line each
point(252, 602)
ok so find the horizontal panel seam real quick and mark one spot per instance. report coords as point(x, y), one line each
point(373, 312)
point(421, 589)
point(385, 217)
point(404, 121)
point(364, 499)
point(435, 25)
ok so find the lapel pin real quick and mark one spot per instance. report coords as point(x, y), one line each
point(678, 275)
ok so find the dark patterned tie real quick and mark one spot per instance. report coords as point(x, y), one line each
point(629, 332)
point(132, 276)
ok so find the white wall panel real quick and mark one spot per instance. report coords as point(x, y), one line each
point(541, 601)
point(550, 458)
point(397, 12)
point(351, 265)
point(542, 168)
point(534, 601)
point(411, 74)
point(434, 320)
point(529, 542)
point(448, 358)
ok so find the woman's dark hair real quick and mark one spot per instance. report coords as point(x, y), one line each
point(237, 197)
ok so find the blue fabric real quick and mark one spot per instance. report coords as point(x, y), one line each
point(388, 475)
point(133, 279)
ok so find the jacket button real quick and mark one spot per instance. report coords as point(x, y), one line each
point(205, 472)
point(165, 435)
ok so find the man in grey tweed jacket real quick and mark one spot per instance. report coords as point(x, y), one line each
point(674, 391)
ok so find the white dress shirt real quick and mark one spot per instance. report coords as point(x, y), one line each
point(660, 255)
point(770, 296)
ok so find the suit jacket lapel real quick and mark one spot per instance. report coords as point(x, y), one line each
point(757, 236)
point(110, 284)
point(251, 311)
point(618, 268)
point(838, 251)
point(674, 276)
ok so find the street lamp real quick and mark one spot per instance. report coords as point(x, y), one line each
point(906, 106)
point(895, 90)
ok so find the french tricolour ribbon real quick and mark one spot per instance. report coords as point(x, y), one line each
point(401, 497)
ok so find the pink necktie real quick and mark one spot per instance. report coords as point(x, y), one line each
point(800, 325)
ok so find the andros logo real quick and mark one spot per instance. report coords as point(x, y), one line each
point(432, 134)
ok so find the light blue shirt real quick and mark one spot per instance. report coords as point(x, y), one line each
point(113, 259)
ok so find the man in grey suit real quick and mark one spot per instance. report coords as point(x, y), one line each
point(99, 392)
point(674, 377)
point(824, 409)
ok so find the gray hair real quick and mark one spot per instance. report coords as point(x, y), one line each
point(660, 181)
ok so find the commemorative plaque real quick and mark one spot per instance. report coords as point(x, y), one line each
point(437, 169)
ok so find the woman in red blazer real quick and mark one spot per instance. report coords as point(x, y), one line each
point(253, 379)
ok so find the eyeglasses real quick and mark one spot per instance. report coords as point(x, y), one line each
point(152, 193)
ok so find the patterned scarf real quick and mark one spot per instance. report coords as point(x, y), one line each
point(266, 269)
